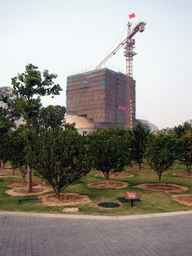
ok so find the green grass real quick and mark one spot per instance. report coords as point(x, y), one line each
point(151, 201)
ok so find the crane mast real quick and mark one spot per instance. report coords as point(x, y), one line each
point(129, 53)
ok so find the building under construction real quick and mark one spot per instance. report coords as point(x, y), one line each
point(100, 95)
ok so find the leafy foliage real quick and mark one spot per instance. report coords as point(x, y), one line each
point(17, 148)
point(180, 131)
point(7, 116)
point(5, 153)
point(160, 152)
point(185, 150)
point(50, 117)
point(110, 149)
point(61, 157)
point(141, 135)
point(28, 87)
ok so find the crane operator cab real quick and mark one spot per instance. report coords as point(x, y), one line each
point(142, 26)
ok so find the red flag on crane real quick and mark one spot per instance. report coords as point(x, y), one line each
point(131, 15)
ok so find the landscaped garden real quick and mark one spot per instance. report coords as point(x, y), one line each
point(88, 199)
point(46, 166)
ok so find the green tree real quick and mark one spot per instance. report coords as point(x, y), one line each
point(61, 157)
point(7, 116)
point(28, 88)
point(50, 117)
point(6, 94)
point(4, 125)
point(185, 149)
point(17, 150)
point(110, 150)
point(141, 136)
point(5, 148)
point(160, 153)
point(180, 131)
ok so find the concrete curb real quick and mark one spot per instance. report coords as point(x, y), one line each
point(95, 217)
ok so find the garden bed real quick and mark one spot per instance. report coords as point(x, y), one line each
point(110, 184)
point(163, 187)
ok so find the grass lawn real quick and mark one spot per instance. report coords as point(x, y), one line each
point(151, 201)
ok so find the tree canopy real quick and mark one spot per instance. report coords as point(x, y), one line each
point(110, 150)
point(141, 136)
point(161, 152)
point(61, 157)
point(50, 117)
point(28, 88)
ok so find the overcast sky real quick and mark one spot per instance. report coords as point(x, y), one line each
point(73, 36)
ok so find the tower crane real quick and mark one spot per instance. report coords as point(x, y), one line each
point(129, 43)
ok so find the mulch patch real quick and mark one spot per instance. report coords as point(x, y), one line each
point(24, 190)
point(65, 199)
point(110, 184)
point(6, 168)
point(118, 175)
point(163, 187)
point(185, 175)
point(183, 199)
point(10, 174)
point(20, 184)
point(138, 170)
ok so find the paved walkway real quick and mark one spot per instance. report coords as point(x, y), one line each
point(36, 234)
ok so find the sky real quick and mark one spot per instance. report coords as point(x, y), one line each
point(68, 37)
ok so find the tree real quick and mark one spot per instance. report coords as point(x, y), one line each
point(7, 117)
point(17, 150)
point(6, 94)
point(160, 153)
point(185, 150)
point(141, 135)
point(5, 148)
point(180, 131)
point(62, 159)
point(7, 97)
point(110, 150)
point(50, 117)
point(4, 126)
point(28, 88)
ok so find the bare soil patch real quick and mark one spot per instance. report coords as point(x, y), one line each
point(163, 187)
point(7, 167)
point(65, 199)
point(183, 199)
point(110, 184)
point(9, 174)
point(183, 175)
point(138, 170)
point(23, 191)
point(118, 175)
point(21, 184)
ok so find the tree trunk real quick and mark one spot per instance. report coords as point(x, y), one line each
point(29, 179)
point(3, 165)
point(107, 180)
point(0, 163)
point(188, 169)
point(58, 195)
point(13, 171)
point(160, 179)
point(139, 166)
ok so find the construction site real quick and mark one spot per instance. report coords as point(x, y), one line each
point(99, 95)
point(103, 98)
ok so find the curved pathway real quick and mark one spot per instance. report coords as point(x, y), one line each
point(37, 234)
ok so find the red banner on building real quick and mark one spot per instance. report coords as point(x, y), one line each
point(123, 108)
